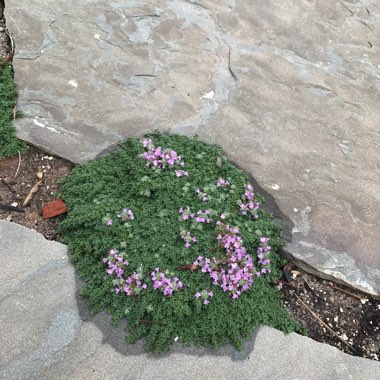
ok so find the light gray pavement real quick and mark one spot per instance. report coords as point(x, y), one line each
point(47, 333)
point(289, 89)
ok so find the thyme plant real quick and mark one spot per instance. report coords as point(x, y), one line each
point(167, 233)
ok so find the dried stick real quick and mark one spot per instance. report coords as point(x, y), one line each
point(33, 191)
point(19, 163)
point(326, 325)
point(345, 291)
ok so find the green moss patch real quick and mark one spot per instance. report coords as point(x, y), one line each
point(9, 143)
point(169, 234)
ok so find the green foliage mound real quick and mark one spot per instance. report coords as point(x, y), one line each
point(9, 143)
point(176, 242)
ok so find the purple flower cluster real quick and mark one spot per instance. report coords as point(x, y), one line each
point(116, 266)
point(249, 204)
point(126, 215)
point(115, 262)
point(166, 284)
point(221, 182)
point(181, 173)
point(201, 195)
point(186, 214)
point(234, 273)
point(200, 216)
point(203, 216)
point(263, 250)
point(159, 158)
point(107, 220)
point(134, 285)
point(189, 240)
point(204, 295)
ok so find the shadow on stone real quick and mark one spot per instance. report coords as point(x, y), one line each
point(115, 336)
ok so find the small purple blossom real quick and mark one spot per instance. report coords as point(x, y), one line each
point(134, 285)
point(181, 173)
point(262, 251)
point(126, 214)
point(234, 272)
point(159, 158)
point(116, 265)
point(199, 217)
point(185, 214)
point(221, 182)
point(204, 296)
point(166, 284)
point(201, 195)
point(249, 205)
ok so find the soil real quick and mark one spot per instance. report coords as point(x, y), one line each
point(17, 178)
point(344, 318)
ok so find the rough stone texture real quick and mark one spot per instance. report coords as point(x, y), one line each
point(289, 89)
point(47, 333)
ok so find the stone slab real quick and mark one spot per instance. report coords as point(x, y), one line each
point(289, 89)
point(47, 332)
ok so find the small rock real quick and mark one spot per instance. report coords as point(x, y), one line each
point(53, 209)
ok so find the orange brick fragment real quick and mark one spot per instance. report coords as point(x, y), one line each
point(53, 209)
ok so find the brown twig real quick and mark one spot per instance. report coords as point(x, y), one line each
point(345, 291)
point(325, 325)
point(19, 163)
point(311, 288)
point(190, 267)
point(32, 191)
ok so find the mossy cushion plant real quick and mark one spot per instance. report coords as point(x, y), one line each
point(167, 233)
point(9, 143)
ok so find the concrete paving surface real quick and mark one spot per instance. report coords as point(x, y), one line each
point(48, 333)
point(289, 89)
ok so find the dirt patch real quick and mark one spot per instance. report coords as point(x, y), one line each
point(17, 178)
point(333, 314)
